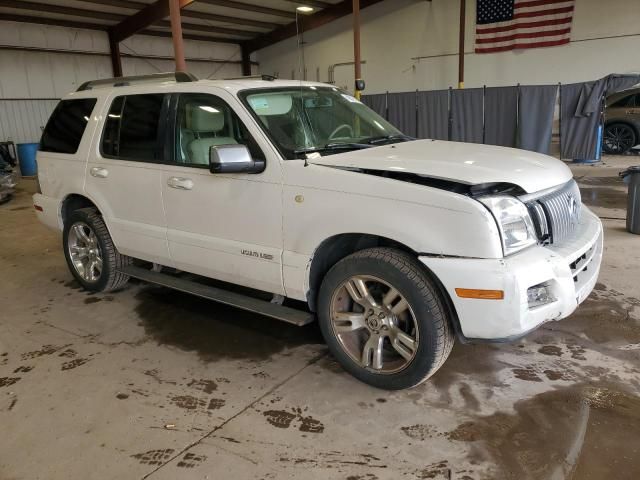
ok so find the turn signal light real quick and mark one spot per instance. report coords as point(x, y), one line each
point(480, 294)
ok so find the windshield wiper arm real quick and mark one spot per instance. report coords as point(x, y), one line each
point(334, 146)
point(389, 138)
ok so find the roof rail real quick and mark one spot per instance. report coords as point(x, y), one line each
point(126, 81)
point(268, 78)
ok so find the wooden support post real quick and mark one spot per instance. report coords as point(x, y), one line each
point(116, 60)
point(463, 4)
point(176, 35)
point(246, 60)
point(356, 45)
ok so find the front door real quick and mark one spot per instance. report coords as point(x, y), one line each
point(223, 226)
point(124, 174)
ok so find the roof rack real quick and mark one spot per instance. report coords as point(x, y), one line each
point(268, 78)
point(126, 81)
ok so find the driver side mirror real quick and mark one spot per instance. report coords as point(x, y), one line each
point(233, 159)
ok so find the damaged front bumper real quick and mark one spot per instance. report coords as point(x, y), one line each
point(566, 274)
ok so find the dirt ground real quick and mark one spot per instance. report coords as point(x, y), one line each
point(150, 383)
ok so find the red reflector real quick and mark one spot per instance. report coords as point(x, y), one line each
point(38, 207)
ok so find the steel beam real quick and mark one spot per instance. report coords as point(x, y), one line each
point(251, 7)
point(309, 22)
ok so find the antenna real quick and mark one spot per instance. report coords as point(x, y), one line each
point(301, 69)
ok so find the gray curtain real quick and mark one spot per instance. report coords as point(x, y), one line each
point(376, 102)
point(433, 114)
point(580, 114)
point(500, 116)
point(402, 112)
point(537, 104)
point(466, 110)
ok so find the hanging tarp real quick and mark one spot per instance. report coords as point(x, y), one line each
point(580, 113)
point(376, 102)
point(402, 112)
point(535, 123)
point(433, 114)
point(500, 116)
point(466, 112)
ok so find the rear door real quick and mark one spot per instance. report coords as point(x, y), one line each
point(124, 174)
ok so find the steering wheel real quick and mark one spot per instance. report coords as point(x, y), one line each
point(341, 127)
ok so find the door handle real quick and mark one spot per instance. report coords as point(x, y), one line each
point(99, 172)
point(180, 183)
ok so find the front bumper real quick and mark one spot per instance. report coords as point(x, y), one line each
point(571, 271)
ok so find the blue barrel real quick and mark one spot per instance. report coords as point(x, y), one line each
point(27, 158)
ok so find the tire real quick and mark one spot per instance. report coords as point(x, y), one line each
point(416, 324)
point(105, 279)
point(619, 138)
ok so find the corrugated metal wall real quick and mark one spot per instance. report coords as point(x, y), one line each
point(32, 81)
point(22, 121)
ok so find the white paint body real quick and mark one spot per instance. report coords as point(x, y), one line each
point(287, 211)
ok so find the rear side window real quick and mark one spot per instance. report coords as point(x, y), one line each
point(66, 126)
point(132, 129)
point(630, 101)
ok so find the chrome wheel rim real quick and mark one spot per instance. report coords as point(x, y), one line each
point(85, 252)
point(374, 324)
point(618, 138)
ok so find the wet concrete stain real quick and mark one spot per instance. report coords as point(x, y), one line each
point(216, 403)
point(418, 432)
point(14, 400)
point(366, 476)
point(68, 353)
point(188, 402)
point(551, 350)
point(154, 457)
point(206, 386)
point(191, 460)
point(75, 363)
point(284, 419)
point(8, 381)
point(470, 401)
point(90, 300)
point(528, 374)
point(605, 197)
point(216, 331)
point(23, 369)
point(333, 459)
point(17, 209)
point(601, 181)
point(438, 469)
point(122, 396)
point(586, 430)
point(45, 350)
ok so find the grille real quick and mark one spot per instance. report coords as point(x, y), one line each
point(556, 214)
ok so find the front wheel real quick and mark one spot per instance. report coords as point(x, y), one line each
point(384, 319)
point(91, 256)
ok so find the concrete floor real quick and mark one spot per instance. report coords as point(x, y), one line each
point(148, 383)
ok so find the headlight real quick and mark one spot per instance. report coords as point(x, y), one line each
point(515, 224)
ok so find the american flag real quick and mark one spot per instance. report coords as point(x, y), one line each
point(509, 24)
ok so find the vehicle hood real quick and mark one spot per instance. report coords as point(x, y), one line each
point(466, 163)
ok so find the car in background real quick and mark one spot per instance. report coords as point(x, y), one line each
point(622, 122)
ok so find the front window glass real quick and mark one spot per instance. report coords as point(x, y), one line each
point(302, 120)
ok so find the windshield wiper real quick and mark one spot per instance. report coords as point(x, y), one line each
point(389, 138)
point(333, 147)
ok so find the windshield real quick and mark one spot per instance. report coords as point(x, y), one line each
point(303, 120)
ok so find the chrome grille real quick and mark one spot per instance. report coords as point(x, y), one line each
point(556, 214)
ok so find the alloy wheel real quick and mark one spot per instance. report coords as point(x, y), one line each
point(619, 138)
point(374, 324)
point(85, 252)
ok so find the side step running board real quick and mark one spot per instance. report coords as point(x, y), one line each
point(273, 310)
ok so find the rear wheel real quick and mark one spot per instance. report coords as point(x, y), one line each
point(384, 319)
point(619, 138)
point(91, 256)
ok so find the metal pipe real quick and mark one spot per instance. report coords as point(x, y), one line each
point(356, 44)
point(176, 35)
point(463, 4)
point(332, 68)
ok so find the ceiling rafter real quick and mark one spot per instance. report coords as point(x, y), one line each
point(187, 13)
point(276, 12)
point(57, 22)
point(307, 22)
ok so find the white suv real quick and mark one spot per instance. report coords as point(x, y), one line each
point(301, 193)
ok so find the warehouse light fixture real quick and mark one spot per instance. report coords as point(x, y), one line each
point(304, 9)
